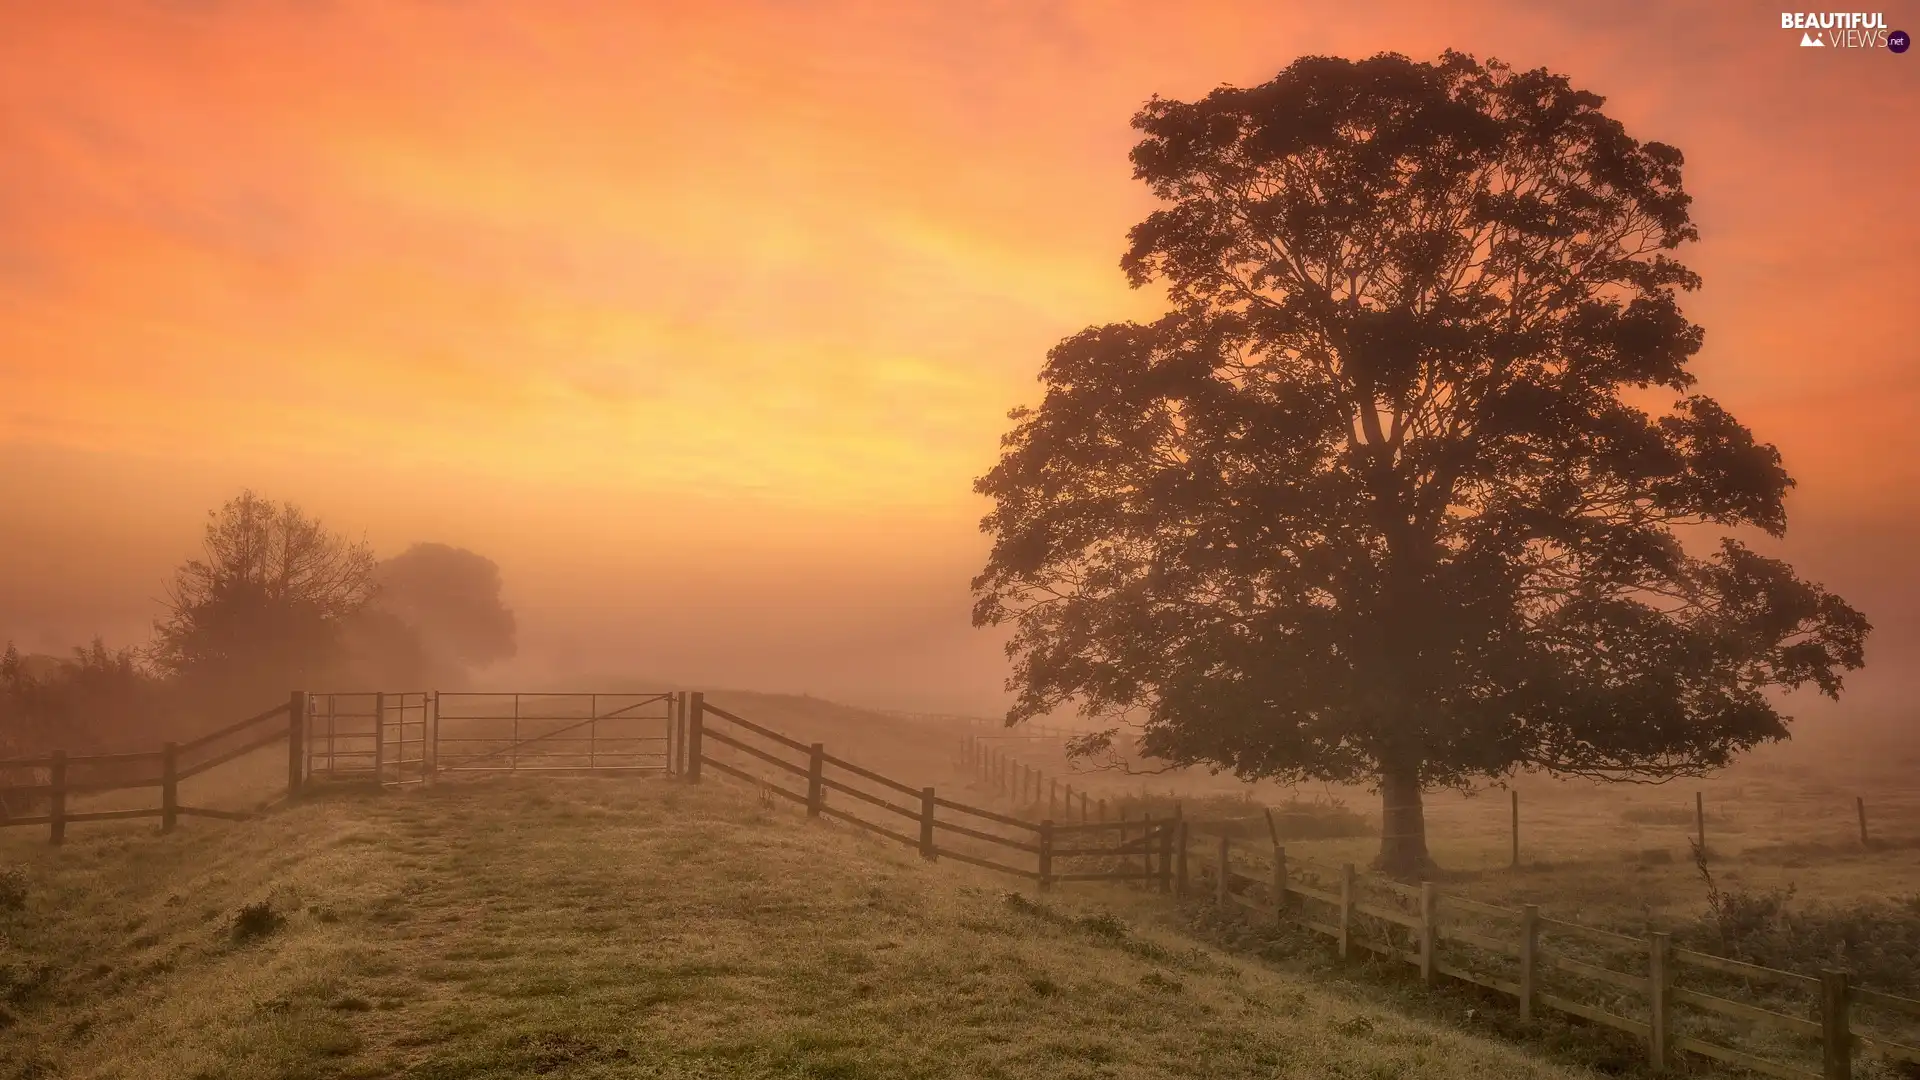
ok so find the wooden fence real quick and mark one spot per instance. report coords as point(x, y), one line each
point(1501, 949)
point(919, 817)
point(58, 776)
point(1519, 953)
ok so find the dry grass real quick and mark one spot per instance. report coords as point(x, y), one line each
point(628, 928)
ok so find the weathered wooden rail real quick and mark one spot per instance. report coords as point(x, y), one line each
point(1292, 891)
point(1517, 953)
point(918, 817)
point(160, 770)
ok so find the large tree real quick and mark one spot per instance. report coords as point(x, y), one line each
point(262, 609)
point(1380, 499)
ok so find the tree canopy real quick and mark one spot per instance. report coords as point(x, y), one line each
point(451, 597)
point(1381, 497)
point(262, 609)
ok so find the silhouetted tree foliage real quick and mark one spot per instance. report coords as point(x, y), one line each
point(1371, 502)
point(262, 609)
point(100, 700)
point(451, 597)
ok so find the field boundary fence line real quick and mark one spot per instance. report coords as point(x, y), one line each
point(1502, 949)
point(1518, 953)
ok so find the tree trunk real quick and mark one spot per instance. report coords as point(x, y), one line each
point(1403, 824)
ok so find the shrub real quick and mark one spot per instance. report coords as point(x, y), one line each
point(1877, 940)
point(255, 921)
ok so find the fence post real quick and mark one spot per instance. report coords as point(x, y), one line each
point(1279, 885)
point(1836, 1034)
point(380, 737)
point(1180, 843)
point(430, 737)
point(1046, 855)
point(1053, 795)
point(297, 742)
point(1429, 902)
point(1223, 883)
point(696, 719)
point(169, 786)
point(1860, 807)
point(673, 733)
point(1146, 850)
point(816, 777)
point(1167, 833)
point(1516, 828)
point(57, 799)
point(1659, 1001)
point(1346, 909)
point(926, 823)
point(1700, 819)
point(1529, 950)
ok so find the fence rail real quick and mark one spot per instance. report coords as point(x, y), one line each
point(1284, 899)
point(1493, 947)
point(61, 782)
point(711, 732)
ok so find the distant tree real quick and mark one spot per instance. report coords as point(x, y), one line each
point(450, 597)
point(262, 609)
point(1372, 502)
point(99, 698)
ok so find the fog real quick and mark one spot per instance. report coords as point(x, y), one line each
point(704, 341)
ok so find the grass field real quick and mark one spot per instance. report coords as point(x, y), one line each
point(1620, 854)
point(626, 928)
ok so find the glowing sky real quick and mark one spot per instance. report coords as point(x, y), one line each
point(722, 304)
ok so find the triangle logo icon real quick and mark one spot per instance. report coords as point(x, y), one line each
point(1809, 41)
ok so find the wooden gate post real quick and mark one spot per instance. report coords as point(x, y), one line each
point(1223, 883)
point(1083, 806)
point(169, 786)
point(1700, 819)
point(1146, 851)
point(696, 720)
point(1168, 833)
point(1279, 887)
point(296, 742)
point(1429, 902)
point(1529, 958)
point(1516, 828)
point(57, 799)
point(1180, 842)
point(816, 778)
point(380, 737)
point(926, 824)
point(1836, 1032)
point(1659, 1001)
point(1346, 910)
point(1860, 807)
point(1046, 855)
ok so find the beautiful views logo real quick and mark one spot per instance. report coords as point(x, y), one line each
point(1844, 30)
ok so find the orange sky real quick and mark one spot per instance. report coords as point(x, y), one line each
point(700, 318)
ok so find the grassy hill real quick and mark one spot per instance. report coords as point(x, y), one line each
point(594, 928)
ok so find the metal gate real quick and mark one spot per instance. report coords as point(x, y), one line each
point(371, 736)
point(504, 732)
point(407, 738)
